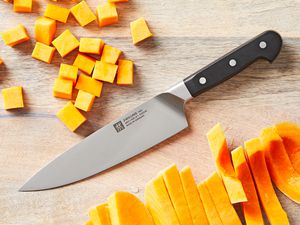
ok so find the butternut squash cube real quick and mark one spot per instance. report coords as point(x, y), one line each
point(44, 29)
point(57, 13)
point(125, 72)
point(65, 43)
point(84, 101)
point(71, 116)
point(175, 189)
point(1, 61)
point(15, 35)
point(103, 214)
point(91, 45)
point(94, 217)
point(126, 209)
point(43, 52)
point(139, 30)
point(88, 223)
point(107, 14)
point(22, 5)
point(12, 97)
point(90, 85)
point(63, 88)
point(85, 63)
point(105, 71)
point(82, 13)
point(110, 54)
point(68, 72)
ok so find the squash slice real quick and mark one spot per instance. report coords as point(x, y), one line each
point(103, 214)
point(273, 209)
point(279, 165)
point(251, 208)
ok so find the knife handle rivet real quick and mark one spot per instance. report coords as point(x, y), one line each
point(262, 44)
point(202, 80)
point(232, 62)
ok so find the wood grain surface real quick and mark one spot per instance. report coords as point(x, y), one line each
point(188, 34)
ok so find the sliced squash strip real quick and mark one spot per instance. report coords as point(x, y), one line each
point(218, 146)
point(103, 214)
point(159, 203)
point(209, 206)
point(220, 197)
point(251, 208)
point(280, 168)
point(290, 134)
point(177, 196)
point(193, 197)
point(272, 207)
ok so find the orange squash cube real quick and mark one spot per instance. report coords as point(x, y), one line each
point(89, 84)
point(68, 72)
point(85, 63)
point(22, 5)
point(88, 223)
point(1, 61)
point(91, 45)
point(44, 29)
point(110, 54)
point(71, 116)
point(65, 43)
point(84, 101)
point(83, 14)
point(139, 30)
point(57, 13)
point(63, 88)
point(107, 14)
point(15, 35)
point(43, 52)
point(12, 98)
point(125, 72)
point(105, 71)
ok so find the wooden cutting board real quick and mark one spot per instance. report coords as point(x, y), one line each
point(187, 36)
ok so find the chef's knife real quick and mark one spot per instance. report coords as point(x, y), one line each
point(150, 123)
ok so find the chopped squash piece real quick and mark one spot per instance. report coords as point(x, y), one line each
point(290, 134)
point(220, 152)
point(63, 88)
point(90, 85)
point(12, 97)
point(126, 209)
point(43, 52)
point(71, 116)
point(125, 72)
point(105, 71)
point(44, 29)
point(65, 43)
point(1, 61)
point(84, 63)
point(110, 54)
point(107, 14)
point(103, 214)
point(84, 101)
point(117, 1)
point(15, 35)
point(68, 72)
point(272, 207)
point(177, 196)
point(279, 165)
point(193, 197)
point(22, 5)
point(251, 208)
point(139, 30)
point(220, 197)
point(91, 45)
point(88, 223)
point(94, 216)
point(159, 203)
point(57, 13)
point(209, 206)
point(82, 13)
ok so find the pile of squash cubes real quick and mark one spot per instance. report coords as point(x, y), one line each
point(93, 73)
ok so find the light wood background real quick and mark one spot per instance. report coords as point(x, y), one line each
point(188, 34)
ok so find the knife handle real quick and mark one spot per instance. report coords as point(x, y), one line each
point(267, 46)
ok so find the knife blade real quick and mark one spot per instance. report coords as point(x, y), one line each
point(150, 123)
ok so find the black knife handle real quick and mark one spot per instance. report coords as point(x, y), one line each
point(267, 46)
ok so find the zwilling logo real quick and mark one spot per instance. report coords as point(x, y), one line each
point(119, 126)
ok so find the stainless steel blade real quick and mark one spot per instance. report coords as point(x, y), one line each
point(140, 129)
